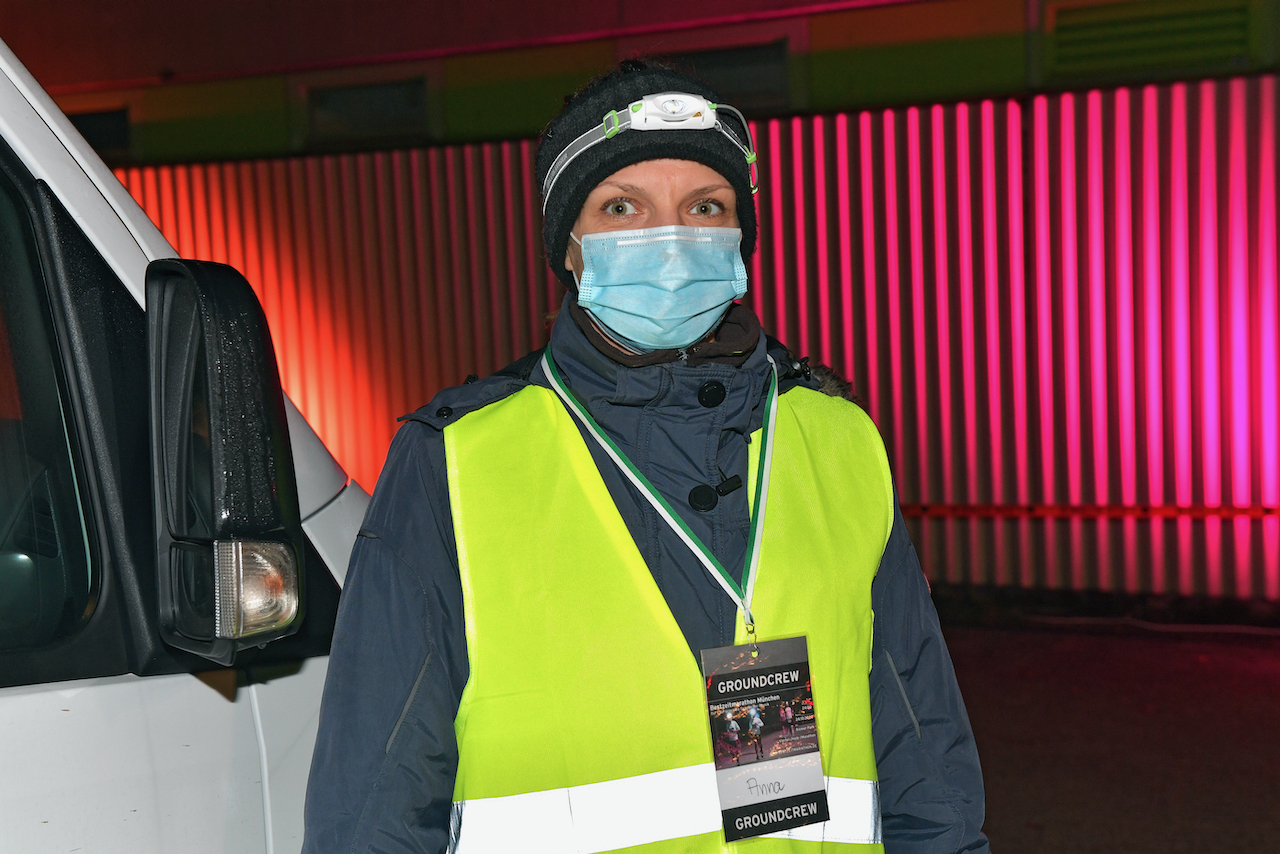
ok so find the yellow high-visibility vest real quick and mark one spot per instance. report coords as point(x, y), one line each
point(583, 726)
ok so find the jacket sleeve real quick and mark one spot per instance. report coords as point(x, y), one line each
point(383, 770)
point(931, 796)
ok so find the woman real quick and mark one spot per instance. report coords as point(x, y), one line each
point(576, 529)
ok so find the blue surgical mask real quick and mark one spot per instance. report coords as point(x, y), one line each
point(661, 288)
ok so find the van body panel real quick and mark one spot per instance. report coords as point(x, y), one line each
point(321, 479)
point(333, 529)
point(290, 713)
point(129, 764)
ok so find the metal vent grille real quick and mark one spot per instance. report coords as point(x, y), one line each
point(1098, 41)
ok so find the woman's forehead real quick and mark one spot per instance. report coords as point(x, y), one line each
point(664, 174)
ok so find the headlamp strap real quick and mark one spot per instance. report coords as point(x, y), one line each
point(661, 111)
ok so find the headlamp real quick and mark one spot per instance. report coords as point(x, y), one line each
point(659, 111)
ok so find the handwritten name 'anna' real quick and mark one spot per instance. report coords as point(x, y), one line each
point(773, 787)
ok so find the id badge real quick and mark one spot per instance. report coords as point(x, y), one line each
point(765, 737)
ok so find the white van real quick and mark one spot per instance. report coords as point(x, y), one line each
point(172, 533)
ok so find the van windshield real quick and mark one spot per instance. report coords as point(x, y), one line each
point(46, 586)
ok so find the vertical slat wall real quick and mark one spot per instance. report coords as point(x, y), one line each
point(1062, 311)
point(385, 276)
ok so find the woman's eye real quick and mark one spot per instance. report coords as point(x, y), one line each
point(706, 207)
point(620, 207)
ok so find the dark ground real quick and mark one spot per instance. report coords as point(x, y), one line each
point(1125, 740)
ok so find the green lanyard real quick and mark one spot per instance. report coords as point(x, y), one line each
point(741, 593)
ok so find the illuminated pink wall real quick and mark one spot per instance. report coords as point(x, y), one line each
point(1064, 322)
point(1061, 311)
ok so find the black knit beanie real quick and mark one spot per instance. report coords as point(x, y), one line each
point(630, 82)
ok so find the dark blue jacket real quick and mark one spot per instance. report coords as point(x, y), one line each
point(383, 771)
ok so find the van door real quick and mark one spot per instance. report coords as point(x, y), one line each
point(110, 761)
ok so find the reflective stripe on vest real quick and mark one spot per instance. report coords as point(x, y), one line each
point(582, 682)
point(640, 810)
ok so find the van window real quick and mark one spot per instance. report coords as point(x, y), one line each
point(46, 585)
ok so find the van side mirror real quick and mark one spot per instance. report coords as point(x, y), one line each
point(229, 541)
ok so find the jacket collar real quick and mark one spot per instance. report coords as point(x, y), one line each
point(735, 337)
point(616, 395)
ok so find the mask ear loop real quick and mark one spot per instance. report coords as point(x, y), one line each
point(577, 283)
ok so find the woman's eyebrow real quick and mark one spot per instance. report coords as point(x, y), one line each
point(631, 189)
point(709, 189)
